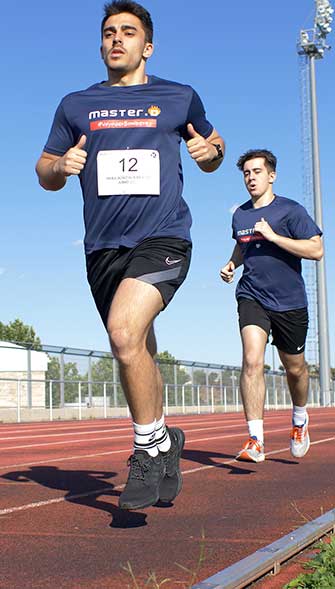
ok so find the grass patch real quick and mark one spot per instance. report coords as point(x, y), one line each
point(153, 583)
point(322, 567)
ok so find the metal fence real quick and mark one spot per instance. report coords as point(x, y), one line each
point(85, 384)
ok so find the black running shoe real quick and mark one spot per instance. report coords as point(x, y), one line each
point(173, 481)
point(145, 476)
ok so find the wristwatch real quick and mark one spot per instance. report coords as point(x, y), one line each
point(219, 154)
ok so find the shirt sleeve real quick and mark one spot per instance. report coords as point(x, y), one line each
point(233, 230)
point(61, 136)
point(197, 116)
point(301, 225)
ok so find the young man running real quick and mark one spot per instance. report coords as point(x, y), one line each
point(272, 235)
point(122, 137)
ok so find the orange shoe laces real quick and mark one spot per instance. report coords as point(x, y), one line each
point(298, 433)
point(251, 443)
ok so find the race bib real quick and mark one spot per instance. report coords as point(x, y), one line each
point(128, 171)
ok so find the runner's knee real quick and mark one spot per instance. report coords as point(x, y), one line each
point(297, 371)
point(252, 364)
point(124, 343)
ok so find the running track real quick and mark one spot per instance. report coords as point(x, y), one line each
point(59, 487)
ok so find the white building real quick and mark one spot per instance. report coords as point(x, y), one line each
point(19, 364)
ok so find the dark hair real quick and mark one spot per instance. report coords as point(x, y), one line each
point(270, 159)
point(134, 8)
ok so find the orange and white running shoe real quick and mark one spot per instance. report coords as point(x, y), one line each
point(300, 442)
point(252, 451)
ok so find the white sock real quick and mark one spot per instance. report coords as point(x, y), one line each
point(255, 427)
point(162, 435)
point(145, 438)
point(299, 415)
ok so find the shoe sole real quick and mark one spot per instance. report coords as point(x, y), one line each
point(244, 457)
point(131, 507)
point(181, 442)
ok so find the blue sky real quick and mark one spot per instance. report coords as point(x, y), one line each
point(241, 58)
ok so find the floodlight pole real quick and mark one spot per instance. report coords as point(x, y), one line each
point(313, 44)
point(322, 305)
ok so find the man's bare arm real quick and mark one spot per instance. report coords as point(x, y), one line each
point(203, 151)
point(236, 260)
point(53, 170)
point(310, 249)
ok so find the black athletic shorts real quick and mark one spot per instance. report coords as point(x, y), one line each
point(160, 261)
point(288, 328)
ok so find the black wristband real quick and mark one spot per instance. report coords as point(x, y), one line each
point(219, 154)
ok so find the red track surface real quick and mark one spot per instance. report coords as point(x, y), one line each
point(59, 487)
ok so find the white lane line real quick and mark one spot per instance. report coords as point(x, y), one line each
point(321, 441)
point(103, 490)
point(233, 419)
point(130, 435)
point(118, 421)
point(313, 425)
point(55, 425)
point(57, 500)
point(245, 435)
point(114, 438)
point(177, 421)
point(47, 461)
point(95, 455)
point(102, 431)
point(62, 443)
point(59, 435)
point(220, 465)
point(119, 428)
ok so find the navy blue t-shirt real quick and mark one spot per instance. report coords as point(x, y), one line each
point(152, 116)
point(271, 275)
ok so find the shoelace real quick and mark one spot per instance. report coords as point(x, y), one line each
point(254, 444)
point(298, 433)
point(138, 466)
point(169, 460)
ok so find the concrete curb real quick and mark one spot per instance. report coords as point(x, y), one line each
point(269, 558)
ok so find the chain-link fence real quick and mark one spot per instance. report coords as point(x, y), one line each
point(53, 382)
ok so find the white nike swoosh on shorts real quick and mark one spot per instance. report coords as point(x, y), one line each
point(169, 262)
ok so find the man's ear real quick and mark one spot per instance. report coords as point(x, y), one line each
point(148, 50)
point(272, 177)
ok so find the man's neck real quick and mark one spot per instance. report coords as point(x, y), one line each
point(263, 200)
point(126, 79)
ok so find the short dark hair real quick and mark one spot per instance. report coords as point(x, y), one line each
point(270, 159)
point(134, 8)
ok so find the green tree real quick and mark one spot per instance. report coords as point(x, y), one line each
point(213, 378)
point(199, 377)
point(53, 372)
point(70, 389)
point(102, 370)
point(313, 369)
point(202, 378)
point(17, 331)
point(167, 364)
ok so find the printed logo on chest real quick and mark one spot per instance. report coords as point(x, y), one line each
point(247, 235)
point(123, 118)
